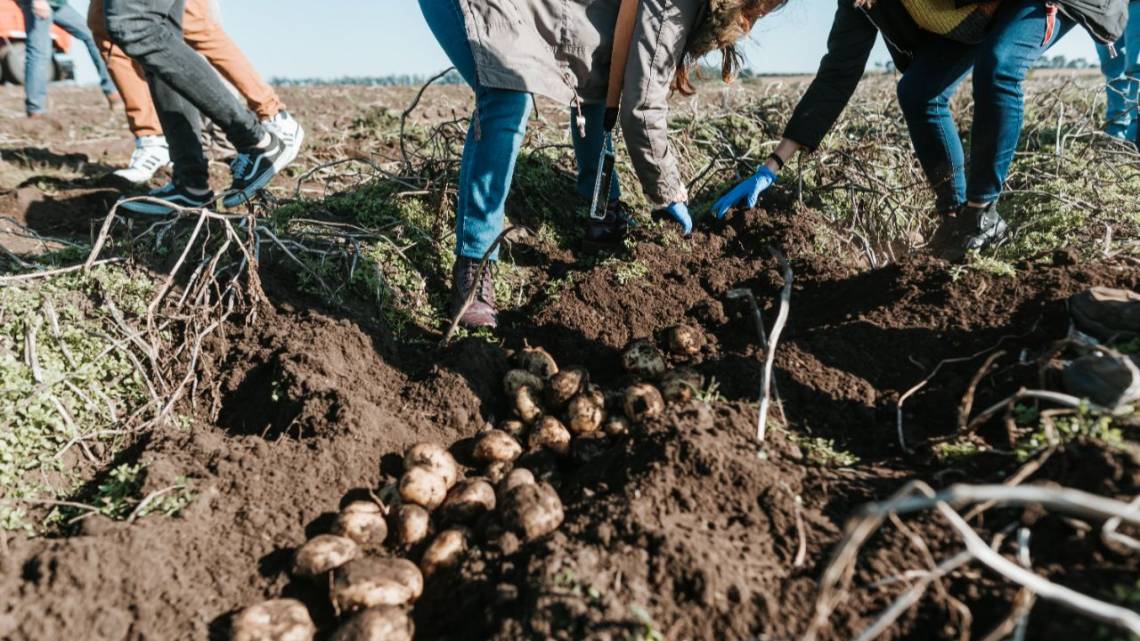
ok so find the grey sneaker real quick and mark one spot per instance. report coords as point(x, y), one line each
point(467, 276)
point(969, 229)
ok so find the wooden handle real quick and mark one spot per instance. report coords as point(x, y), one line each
point(623, 39)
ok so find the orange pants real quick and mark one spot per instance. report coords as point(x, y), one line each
point(205, 35)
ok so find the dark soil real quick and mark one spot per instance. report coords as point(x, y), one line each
point(685, 527)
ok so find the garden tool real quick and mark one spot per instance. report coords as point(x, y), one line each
point(623, 39)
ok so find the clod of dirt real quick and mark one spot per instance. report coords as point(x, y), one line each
point(528, 404)
point(685, 340)
point(533, 510)
point(275, 620)
point(497, 446)
point(377, 624)
point(422, 485)
point(564, 386)
point(643, 402)
point(468, 501)
point(681, 384)
point(616, 425)
point(537, 361)
point(413, 524)
point(363, 522)
point(371, 582)
point(517, 478)
point(435, 458)
point(517, 378)
point(586, 414)
point(550, 434)
point(324, 553)
point(446, 551)
point(643, 360)
point(588, 447)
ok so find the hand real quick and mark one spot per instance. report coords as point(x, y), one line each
point(748, 191)
point(679, 213)
point(41, 9)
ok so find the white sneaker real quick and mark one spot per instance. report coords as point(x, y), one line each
point(151, 154)
point(290, 132)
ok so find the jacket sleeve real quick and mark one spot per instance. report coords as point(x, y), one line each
point(849, 46)
point(659, 40)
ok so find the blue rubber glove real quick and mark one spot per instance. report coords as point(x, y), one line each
point(678, 213)
point(748, 191)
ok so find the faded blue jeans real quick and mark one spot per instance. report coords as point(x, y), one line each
point(494, 139)
point(39, 49)
point(1122, 75)
point(1000, 63)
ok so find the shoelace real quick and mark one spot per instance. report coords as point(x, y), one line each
point(240, 165)
point(479, 280)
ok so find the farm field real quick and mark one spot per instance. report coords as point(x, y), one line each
point(183, 414)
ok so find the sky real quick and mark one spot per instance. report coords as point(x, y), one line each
point(335, 38)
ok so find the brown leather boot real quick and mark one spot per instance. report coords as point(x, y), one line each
point(468, 276)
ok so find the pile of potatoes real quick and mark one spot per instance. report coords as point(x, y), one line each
point(437, 506)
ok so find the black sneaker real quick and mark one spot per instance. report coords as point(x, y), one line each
point(968, 229)
point(253, 169)
point(167, 200)
point(608, 233)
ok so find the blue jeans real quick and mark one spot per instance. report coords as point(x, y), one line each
point(1122, 74)
point(39, 50)
point(494, 138)
point(1000, 63)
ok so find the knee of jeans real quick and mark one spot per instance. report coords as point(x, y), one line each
point(998, 70)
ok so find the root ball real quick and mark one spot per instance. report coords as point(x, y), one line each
point(550, 434)
point(377, 624)
point(436, 458)
point(371, 582)
point(423, 486)
point(497, 447)
point(643, 360)
point(517, 378)
point(275, 620)
point(468, 501)
point(564, 386)
point(363, 522)
point(446, 551)
point(413, 524)
point(537, 361)
point(680, 385)
point(685, 340)
point(586, 414)
point(324, 553)
point(643, 402)
point(533, 510)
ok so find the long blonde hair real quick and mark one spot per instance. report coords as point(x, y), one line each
point(724, 24)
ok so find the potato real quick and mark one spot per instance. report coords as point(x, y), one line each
point(550, 434)
point(564, 386)
point(685, 340)
point(371, 582)
point(528, 405)
point(446, 551)
point(413, 524)
point(681, 385)
point(643, 402)
point(423, 486)
point(533, 510)
point(275, 620)
point(377, 624)
point(585, 414)
point(497, 447)
point(496, 472)
point(517, 477)
point(517, 378)
point(516, 429)
point(434, 457)
point(537, 361)
point(363, 522)
point(468, 501)
point(616, 425)
point(324, 553)
point(643, 360)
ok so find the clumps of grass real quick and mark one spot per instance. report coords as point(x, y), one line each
point(824, 452)
point(1066, 429)
point(626, 272)
point(957, 452)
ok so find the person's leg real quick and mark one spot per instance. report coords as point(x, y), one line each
point(924, 94)
point(70, 21)
point(37, 60)
point(1019, 37)
point(128, 76)
point(1116, 89)
point(1131, 56)
point(588, 149)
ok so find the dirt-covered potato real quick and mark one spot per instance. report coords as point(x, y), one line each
point(517, 378)
point(377, 624)
point(423, 486)
point(518, 476)
point(434, 457)
point(685, 340)
point(496, 472)
point(528, 405)
point(497, 447)
point(363, 522)
point(446, 551)
point(468, 501)
point(680, 385)
point(550, 434)
point(585, 414)
point(515, 428)
point(371, 582)
point(537, 361)
point(324, 553)
point(413, 524)
point(616, 425)
point(643, 360)
point(275, 620)
point(643, 402)
point(564, 386)
point(533, 510)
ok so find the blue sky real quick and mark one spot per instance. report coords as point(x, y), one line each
point(332, 38)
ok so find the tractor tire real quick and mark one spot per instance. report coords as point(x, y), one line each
point(13, 63)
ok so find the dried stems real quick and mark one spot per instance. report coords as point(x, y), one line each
point(770, 356)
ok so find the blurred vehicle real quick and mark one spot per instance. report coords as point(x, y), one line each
point(12, 37)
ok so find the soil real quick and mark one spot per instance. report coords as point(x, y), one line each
point(687, 528)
